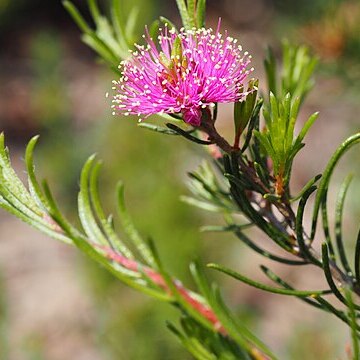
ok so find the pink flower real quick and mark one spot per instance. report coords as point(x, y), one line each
point(193, 70)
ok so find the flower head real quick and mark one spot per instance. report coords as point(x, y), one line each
point(191, 70)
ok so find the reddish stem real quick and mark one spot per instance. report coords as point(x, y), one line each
point(186, 294)
point(236, 145)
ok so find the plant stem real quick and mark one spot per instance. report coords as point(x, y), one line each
point(283, 205)
point(213, 136)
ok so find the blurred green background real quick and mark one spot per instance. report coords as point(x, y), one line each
point(54, 303)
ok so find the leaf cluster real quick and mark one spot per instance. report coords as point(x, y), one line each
point(111, 38)
point(295, 78)
point(192, 13)
point(278, 140)
point(208, 329)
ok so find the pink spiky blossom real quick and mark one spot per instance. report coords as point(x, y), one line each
point(193, 70)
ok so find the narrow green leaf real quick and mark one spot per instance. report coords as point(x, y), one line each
point(57, 216)
point(295, 106)
point(346, 282)
point(168, 23)
point(130, 228)
point(94, 9)
point(131, 24)
point(339, 209)
point(265, 142)
point(185, 18)
point(308, 124)
point(154, 29)
point(272, 276)
point(228, 228)
point(328, 274)
point(274, 106)
point(239, 182)
point(174, 330)
point(75, 14)
point(324, 183)
point(253, 124)
point(189, 345)
point(357, 259)
point(191, 6)
point(246, 240)
point(243, 110)
point(103, 50)
point(308, 185)
point(338, 313)
point(118, 22)
point(176, 50)
point(11, 181)
point(264, 287)
point(210, 189)
point(187, 135)
point(105, 32)
point(88, 221)
point(237, 330)
point(289, 136)
point(304, 248)
point(195, 343)
point(157, 128)
point(106, 224)
point(200, 13)
point(326, 228)
point(270, 69)
point(263, 174)
point(34, 185)
point(201, 204)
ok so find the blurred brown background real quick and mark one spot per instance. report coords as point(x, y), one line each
point(54, 303)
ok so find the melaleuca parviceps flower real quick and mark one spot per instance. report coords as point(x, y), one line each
point(191, 70)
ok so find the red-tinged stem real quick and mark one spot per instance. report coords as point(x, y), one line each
point(186, 294)
point(208, 126)
point(205, 311)
point(215, 137)
point(236, 145)
point(52, 223)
